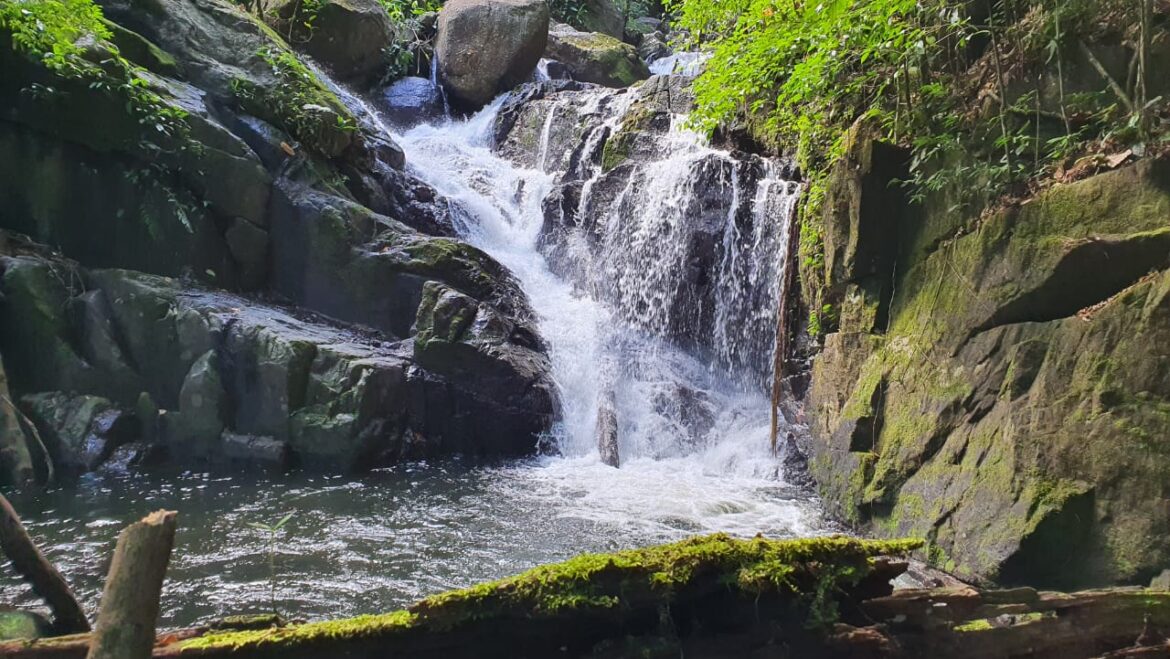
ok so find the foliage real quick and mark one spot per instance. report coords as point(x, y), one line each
point(52, 33)
point(298, 103)
point(402, 10)
point(798, 74)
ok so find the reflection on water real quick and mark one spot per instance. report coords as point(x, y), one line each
point(385, 540)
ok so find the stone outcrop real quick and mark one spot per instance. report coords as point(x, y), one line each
point(410, 101)
point(596, 58)
point(998, 384)
point(486, 47)
point(217, 366)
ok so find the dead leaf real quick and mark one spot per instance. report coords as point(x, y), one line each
point(288, 149)
point(1116, 159)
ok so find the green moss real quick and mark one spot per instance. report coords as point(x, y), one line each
point(811, 570)
point(299, 103)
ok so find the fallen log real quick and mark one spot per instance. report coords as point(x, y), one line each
point(607, 430)
point(45, 580)
point(709, 598)
point(130, 601)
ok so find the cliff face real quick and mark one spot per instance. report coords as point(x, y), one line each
point(998, 384)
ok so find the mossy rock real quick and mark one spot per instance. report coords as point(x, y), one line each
point(597, 58)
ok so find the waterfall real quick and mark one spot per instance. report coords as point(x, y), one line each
point(615, 294)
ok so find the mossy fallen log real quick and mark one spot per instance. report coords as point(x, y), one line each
point(593, 605)
point(710, 597)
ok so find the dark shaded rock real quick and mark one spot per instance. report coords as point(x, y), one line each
point(410, 101)
point(607, 431)
point(341, 398)
point(347, 36)
point(486, 47)
point(79, 431)
point(252, 451)
point(596, 58)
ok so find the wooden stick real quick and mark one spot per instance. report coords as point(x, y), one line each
point(46, 581)
point(130, 601)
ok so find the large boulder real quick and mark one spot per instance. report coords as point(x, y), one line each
point(486, 47)
point(602, 16)
point(348, 36)
point(597, 58)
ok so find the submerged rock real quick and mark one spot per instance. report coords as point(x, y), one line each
point(486, 47)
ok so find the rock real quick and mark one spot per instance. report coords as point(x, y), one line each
point(340, 398)
point(248, 245)
point(410, 101)
point(252, 451)
point(653, 47)
point(26, 625)
point(79, 431)
point(486, 47)
point(17, 444)
point(1041, 330)
point(347, 36)
point(596, 58)
point(1161, 582)
point(602, 16)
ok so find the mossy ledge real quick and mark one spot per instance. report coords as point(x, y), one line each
point(596, 598)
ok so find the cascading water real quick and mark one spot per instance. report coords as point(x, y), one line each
point(694, 439)
point(655, 282)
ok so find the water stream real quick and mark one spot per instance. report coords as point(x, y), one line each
point(694, 427)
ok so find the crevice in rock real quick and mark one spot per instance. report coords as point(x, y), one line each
point(1091, 271)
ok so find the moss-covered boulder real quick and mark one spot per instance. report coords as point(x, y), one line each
point(997, 384)
point(596, 58)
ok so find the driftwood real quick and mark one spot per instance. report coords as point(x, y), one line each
point(130, 601)
point(46, 581)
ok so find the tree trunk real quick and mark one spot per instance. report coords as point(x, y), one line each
point(130, 601)
point(46, 581)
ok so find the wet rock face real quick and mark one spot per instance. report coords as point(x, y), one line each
point(410, 101)
point(1000, 390)
point(302, 389)
point(486, 47)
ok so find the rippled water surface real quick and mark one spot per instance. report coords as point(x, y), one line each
point(394, 536)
